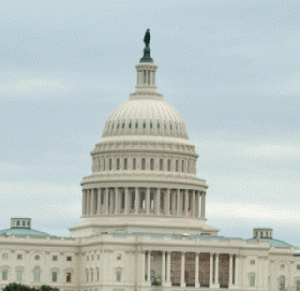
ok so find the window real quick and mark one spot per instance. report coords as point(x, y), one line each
point(54, 258)
point(177, 166)
point(19, 275)
point(87, 276)
point(171, 127)
point(298, 286)
point(68, 277)
point(110, 164)
point(150, 125)
point(118, 125)
point(123, 125)
point(69, 259)
point(129, 125)
point(298, 267)
point(54, 276)
point(134, 164)
point(152, 275)
point(252, 281)
point(118, 276)
point(169, 165)
point(119, 257)
point(125, 164)
point(118, 164)
point(37, 274)
point(92, 275)
point(98, 275)
point(161, 164)
point(4, 275)
point(252, 262)
point(182, 166)
point(19, 256)
point(18, 222)
point(152, 164)
point(144, 125)
point(136, 125)
point(98, 257)
point(37, 257)
point(281, 283)
point(87, 258)
point(158, 126)
point(143, 163)
point(92, 257)
point(5, 256)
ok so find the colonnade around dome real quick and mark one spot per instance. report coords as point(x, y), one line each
point(143, 201)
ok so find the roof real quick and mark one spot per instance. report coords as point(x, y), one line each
point(273, 242)
point(23, 231)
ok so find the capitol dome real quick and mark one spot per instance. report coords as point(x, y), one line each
point(145, 116)
point(144, 169)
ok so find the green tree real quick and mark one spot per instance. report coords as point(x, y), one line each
point(21, 287)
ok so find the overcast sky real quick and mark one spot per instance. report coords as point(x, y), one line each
point(231, 68)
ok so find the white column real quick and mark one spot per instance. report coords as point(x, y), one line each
point(148, 267)
point(217, 283)
point(211, 270)
point(127, 201)
point(169, 268)
point(148, 201)
point(236, 275)
point(182, 277)
point(157, 205)
point(117, 200)
point(197, 285)
point(88, 202)
point(143, 266)
point(186, 202)
point(203, 205)
point(178, 201)
point(167, 204)
point(99, 201)
point(83, 202)
point(106, 201)
point(230, 271)
point(163, 268)
point(137, 200)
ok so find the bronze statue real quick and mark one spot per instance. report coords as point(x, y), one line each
point(147, 38)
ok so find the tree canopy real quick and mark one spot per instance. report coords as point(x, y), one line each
point(21, 287)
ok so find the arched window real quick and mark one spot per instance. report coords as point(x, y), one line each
point(110, 164)
point(252, 280)
point(177, 166)
point(118, 164)
point(69, 277)
point(161, 164)
point(87, 276)
point(143, 163)
point(169, 165)
point(136, 125)
point(144, 125)
point(152, 164)
point(98, 274)
point(37, 274)
point(129, 125)
point(125, 164)
point(134, 164)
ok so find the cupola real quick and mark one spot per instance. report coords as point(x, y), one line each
point(262, 233)
point(20, 223)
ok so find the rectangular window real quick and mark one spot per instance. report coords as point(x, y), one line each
point(252, 262)
point(98, 275)
point(54, 276)
point(298, 267)
point(4, 275)
point(252, 281)
point(54, 258)
point(161, 164)
point(19, 256)
point(68, 277)
point(177, 166)
point(19, 275)
point(69, 259)
point(5, 256)
point(118, 276)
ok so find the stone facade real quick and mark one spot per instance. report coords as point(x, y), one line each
point(143, 224)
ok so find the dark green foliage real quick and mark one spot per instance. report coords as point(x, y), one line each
point(21, 287)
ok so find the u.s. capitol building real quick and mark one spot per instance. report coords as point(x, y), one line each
point(143, 223)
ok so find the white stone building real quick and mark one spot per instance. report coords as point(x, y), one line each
point(143, 223)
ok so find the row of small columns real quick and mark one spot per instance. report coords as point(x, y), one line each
point(214, 269)
point(104, 201)
point(146, 77)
